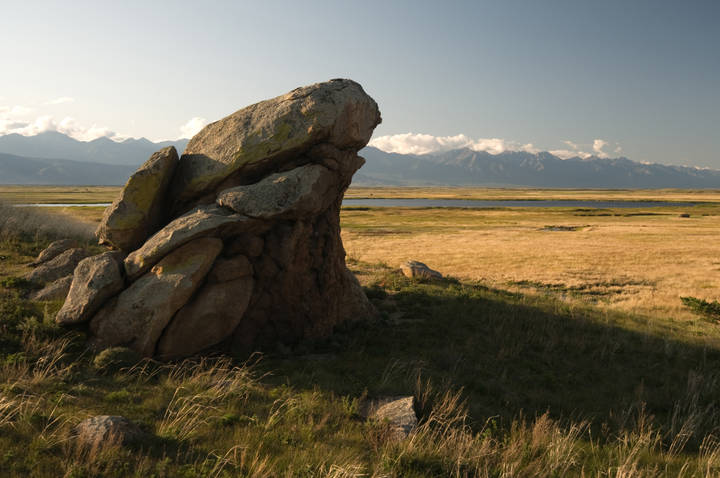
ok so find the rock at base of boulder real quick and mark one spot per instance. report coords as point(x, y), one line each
point(141, 312)
point(210, 318)
point(60, 266)
point(303, 288)
point(53, 250)
point(107, 430)
point(418, 269)
point(95, 280)
point(56, 290)
point(141, 208)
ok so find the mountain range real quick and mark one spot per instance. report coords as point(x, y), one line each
point(464, 167)
point(54, 145)
point(54, 158)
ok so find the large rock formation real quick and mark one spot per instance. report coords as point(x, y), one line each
point(248, 250)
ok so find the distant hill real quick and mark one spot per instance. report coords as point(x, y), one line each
point(54, 158)
point(464, 167)
point(54, 145)
point(41, 171)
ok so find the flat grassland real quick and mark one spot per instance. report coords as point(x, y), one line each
point(630, 259)
point(637, 260)
point(557, 347)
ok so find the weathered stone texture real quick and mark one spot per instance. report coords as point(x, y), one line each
point(142, 205)
point(95, 280)
point(141, 312)
point(267, 136)
point(59, 266)
point(53, 250)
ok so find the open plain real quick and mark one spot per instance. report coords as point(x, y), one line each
point(556, 345)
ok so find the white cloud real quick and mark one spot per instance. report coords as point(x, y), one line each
point(192, 127)
point(571, 144)
point(15, 111)
point(567, 154)
point(598, 146)
point(61, 100)
point(411, 143)
point(72, 128)
point(529, 148)
point(28, 121)
point(30, 127)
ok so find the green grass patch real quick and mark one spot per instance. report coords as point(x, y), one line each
point(709, 310)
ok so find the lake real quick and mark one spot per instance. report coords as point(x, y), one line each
point(462, 203)
point(481, 203)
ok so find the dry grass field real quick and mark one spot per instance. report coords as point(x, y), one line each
point(563, 350)
point(633, 260)
point(58, 194)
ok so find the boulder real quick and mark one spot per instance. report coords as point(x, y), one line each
point(302, 191)
point(55, 290)
point(53, 250)
point(107, 429)
point(141, 312)
point(141, 206)
point(416, 269)
point(213, 314)
point(59, 266)
point(268, 136)
point(96, 279)
point(257, 194)
point(203, 221)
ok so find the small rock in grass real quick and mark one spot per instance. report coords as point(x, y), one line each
point(53, 250)
point(60, 266)
point(399, 412)
point(55, 290)
point(418, 269)
point(107, 429)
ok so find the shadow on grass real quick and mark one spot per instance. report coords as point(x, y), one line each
point(512, 354)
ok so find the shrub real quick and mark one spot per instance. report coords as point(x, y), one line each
point(113, 359)
point(710, 310)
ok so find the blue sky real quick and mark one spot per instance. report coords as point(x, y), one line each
point(633, 78)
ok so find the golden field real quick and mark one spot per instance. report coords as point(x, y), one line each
point(637, 260)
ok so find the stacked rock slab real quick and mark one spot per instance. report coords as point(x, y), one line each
point(247, 251)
